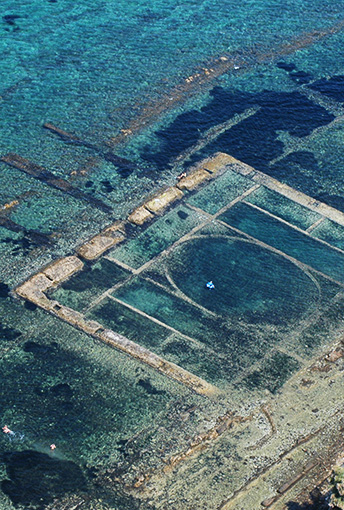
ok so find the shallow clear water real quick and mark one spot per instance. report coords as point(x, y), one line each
point(143, 81)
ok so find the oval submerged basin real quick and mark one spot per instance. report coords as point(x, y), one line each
point(249, 279)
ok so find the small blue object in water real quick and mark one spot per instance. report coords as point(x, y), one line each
point(210, 285)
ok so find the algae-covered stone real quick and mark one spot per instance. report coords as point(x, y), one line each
point(193, 180)
point(164, 199)
point(33, 290)
point(166, 367)
point(77, 319)
point(140, 215)
point(63, 268)
point(38, 283)
point(98, 245)
point(337, 497)
point(220, 160)
point(115, 229)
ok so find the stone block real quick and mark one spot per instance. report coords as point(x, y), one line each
point(131, 348)
point(62, 269)
point(68, 314)
point(163, 200)
point(268, 502)
point(193, 180)
point(92, 326)
point(115, 230)
point(140, 215)
point(98, 245)
point(220, 160)
point(33, 290)
point(333, 356)
point(35, 286)
point(76, 319)
point(40, 299)
point(241, 168)
point(287, 485)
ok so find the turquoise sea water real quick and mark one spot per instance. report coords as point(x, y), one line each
point(116, 75)
point(95, 68)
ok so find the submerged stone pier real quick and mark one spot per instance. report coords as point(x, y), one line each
point(40, 173)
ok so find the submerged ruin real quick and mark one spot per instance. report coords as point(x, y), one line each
point(262, 349)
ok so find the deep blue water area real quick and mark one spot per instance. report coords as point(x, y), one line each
point(137, 91)
point(331, 87)
point(257, 135)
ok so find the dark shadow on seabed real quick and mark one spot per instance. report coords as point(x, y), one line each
point(317, 501)
point(38, 481)
point(35, 479)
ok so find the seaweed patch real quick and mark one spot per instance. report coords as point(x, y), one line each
point(51, 478)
